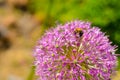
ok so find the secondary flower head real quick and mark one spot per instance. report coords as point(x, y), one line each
point(74, 51)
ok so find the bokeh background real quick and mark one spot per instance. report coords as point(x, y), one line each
point(23, 22)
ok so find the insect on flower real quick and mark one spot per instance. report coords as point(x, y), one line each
point(78, 32)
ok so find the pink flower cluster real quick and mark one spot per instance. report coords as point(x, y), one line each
point(63, 55)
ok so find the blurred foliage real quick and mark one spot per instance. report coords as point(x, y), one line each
point(102, 13)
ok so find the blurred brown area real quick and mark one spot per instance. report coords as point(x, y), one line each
point(17, 27)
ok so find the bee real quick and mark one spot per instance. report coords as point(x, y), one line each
point(78, 32)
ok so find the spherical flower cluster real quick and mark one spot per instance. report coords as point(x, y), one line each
point(74, 51)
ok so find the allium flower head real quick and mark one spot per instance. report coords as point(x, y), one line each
point(74, 51)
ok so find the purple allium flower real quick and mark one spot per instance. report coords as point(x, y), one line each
point(74, 51)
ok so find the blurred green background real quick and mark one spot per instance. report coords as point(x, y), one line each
point(23, 22)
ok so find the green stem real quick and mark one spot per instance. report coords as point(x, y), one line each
point(31, 75)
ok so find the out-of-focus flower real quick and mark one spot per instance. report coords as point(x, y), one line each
point(74, 51)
